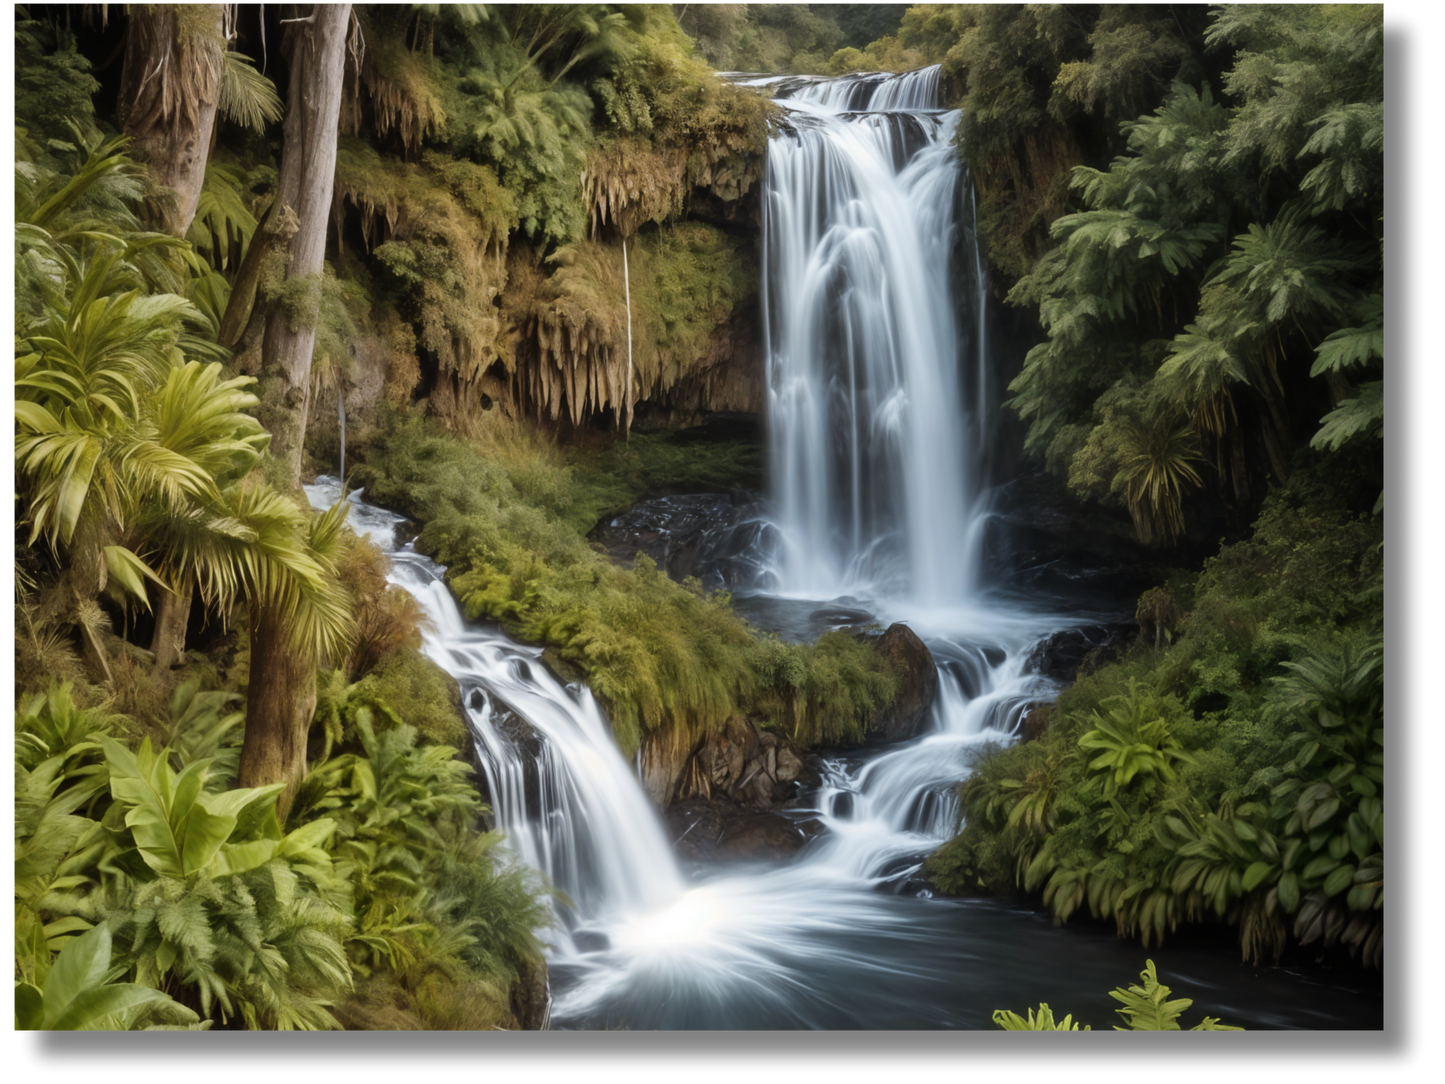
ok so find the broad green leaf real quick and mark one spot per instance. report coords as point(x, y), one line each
point(79, 968)
point(1361, 897)
point(240, 857)
point(1318, 867)
point(1321, 814)
point(29, 1007)
point(1289, 892)
point(1255, 875)
point(1339, 880)
point(105, 1008)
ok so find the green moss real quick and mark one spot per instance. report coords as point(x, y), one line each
point(507, 512)
point(423, 694)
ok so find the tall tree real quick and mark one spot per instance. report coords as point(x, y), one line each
point(170, 91)
point(281, 696)
point(317, 47)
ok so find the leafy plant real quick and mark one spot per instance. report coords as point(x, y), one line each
point(1147, 1007)
point(1135, 739)
point(1044, 1021)
point(179, 829)
point(80, 993)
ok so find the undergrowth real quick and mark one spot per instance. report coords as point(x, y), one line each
point(1230, 766)
point(508, 514)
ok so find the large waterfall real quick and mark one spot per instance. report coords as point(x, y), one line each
point(875, 483)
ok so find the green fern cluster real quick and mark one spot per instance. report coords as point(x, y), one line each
point(430, 899)
point(1230, 771)
point(1216, 272)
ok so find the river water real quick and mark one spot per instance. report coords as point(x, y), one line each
point(881, 394)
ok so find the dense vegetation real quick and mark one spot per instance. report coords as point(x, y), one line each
point(542, 220)
point(1210, 303)
point(180, 610)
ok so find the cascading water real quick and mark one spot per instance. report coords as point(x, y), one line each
point(876, 489)
point(561, 791)
point(878, 419)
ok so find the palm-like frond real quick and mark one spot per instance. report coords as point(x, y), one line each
point(247, 97)
point(1157, 463)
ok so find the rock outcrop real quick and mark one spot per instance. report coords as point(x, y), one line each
point(719, 830)
point(739, 763)
point(912, 662)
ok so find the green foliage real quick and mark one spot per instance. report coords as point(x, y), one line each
point(179, 829)
point(430, 900)
point(824, 693)
point(1044, 1021)
point(1245, 235)
point(53, 88)
point(80, 994)
point(1229, 770)
point(1134, 740)
point(1147, 1007)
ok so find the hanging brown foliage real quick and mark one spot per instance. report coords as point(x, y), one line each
point(570, 359)
point(392, 88)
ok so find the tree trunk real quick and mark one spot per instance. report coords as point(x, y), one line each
point(170, 86)
point(173, 614)
point(308, 169)
point(280, 700)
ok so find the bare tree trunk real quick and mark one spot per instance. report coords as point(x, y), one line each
point(170, 87)
point(280, 700)
point(308, 169)
point(173, 614)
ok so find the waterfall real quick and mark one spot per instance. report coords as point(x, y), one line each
point(879, 403)
point(562, 794)
point(876, 490)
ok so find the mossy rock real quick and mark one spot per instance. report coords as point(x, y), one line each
point(424, 695)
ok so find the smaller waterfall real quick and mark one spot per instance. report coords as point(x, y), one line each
point(561, 792)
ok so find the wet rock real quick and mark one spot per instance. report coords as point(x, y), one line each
point(912, 662)
point(1062, 654)
point(841, 617)
point(678, 533)
point(1035, 722)
point(521, 734)
point(718, 830)
point(665, 760)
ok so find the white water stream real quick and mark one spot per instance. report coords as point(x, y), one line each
point(879, 419)
point(878, 494)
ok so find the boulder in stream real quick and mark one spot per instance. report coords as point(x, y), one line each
point(917, 674)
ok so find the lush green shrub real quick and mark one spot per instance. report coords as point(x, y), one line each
point(1232, 773)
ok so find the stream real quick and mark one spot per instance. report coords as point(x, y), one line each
point(881, 397)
